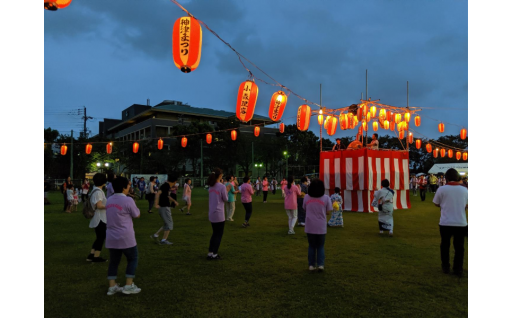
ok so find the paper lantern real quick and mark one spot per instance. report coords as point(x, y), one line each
point(386, 124)
point(281, 128)
point(368, 116)
point(450, 153)
point(373, 111)
point(63, 150)
point(365, 126)
point(208, 138)
point(382, 114)
point(135, 147)
point(343, 121)
point(246, 101)
point(407, 117)
point(233, 135)
point(184, 142)
point(441, 127)
point(361, 111)
point(187, 38)
point(463, 133)
point(109, 148)
point(417, 120)
point(326, 120)
point(428, 147)
point(360, 130)
point(443, 152)
point(256, 131)
point(332, 124)
point(303, 116)
point(54, 5)
point(390, 116)
point(320, 119)
point(458, 155)
point(398, 118)
point(375, 126)
point(392, 126)
point(401, 134)
point(436, 152)
point(418, 143)
point(88, 149)
point(160, 144)
point(355, 121)
point(465, 156)
point(410, 138)
point(277, 105)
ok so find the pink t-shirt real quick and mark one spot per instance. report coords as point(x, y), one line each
point(316, 208)
point(217, 196)
point(265, 185)
point(247, 192)
point(290, 201)
point(187, 191)
point(120, 211)
point(283, 183)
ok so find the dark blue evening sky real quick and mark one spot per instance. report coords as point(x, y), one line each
point(108, 55)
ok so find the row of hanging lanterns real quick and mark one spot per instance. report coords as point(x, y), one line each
point(54, 5)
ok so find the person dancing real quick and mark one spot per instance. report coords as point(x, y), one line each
point(217, 195)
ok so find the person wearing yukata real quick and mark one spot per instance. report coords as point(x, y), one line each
point(383, 199)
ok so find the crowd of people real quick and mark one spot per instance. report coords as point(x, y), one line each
point(430, 183)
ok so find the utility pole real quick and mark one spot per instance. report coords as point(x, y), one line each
point(71, 166)
point(367, 112)
point(322, 115)
point(202, 162)
point(407, 139)
point(85, 122)
point(252, 164)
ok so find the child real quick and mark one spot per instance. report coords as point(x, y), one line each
point(69, 193)
point(75, 200)
point(316, 204)
point(384, 200)
point(337, 217)
point(163, 204)
point(187, 195)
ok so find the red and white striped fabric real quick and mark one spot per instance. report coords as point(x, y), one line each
point(358, 173)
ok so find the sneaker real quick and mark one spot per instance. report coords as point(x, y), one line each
point(291, 232)
point(244, 224)
point(217, 257)
point(131, 289)
point(114, 289)
point(165, 242)
point(89, 258)
point(321, 268)
point(209, 257)
point(311, 268)
point(380, 232)
point(98, 259)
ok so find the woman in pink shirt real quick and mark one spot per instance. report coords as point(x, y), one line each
point(291, 192)
point(247, 192)
point(283, 183)
point(217, 196)
point(264, 184)
point(317, 204)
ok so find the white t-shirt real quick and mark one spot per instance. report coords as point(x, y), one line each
point(453, 200)
point(99, 214)
point(257, 184)
point(374, 144)
point(69, 193)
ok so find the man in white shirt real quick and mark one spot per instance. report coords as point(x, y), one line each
point(375, 142)
point(453, 201)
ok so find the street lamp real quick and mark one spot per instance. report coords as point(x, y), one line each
point(286, 155)
point(258, 166)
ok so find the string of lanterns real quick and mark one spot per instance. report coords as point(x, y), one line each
point(54, 5)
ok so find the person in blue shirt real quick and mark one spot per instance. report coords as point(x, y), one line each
point(142, 186)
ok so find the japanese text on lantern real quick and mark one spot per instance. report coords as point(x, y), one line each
point(275, 111)
point(184, 35)
point(245, 98)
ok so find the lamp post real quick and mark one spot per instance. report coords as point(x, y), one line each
point(286, 155)
point(258, 166)
point(100, 166)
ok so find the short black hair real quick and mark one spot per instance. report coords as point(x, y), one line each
point(376, 135)
point(119, 184)
point(337, 190)
point(303, 179)
point(99, 179)
point(172, 177)
point(246, 178)
point(151, 178)
point(452, 175)
point(110, 176)
point(385, 183)
point(316, 188)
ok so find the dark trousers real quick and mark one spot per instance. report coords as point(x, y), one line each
point(274, 191)
point(151, 200)
point(248, 210)
point(458, 233)
point(433, 187)
point(265, 193)
point(84, 196)
point(142, 194)
point(101, 233)
point(316, 252)
point(65, 201)
point(218, 231)
point(132, 256)
point(302, 213)
point(423, 192)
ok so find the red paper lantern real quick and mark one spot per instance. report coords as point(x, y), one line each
point(373, 111)
point(184, 142)
point(63, 150)
point(443, 152)
point(428, 147)
point(281, 128)
point(465, 156)
point(390, 116)
point(187, 38)
point(441, 127)
point(109, 148)
point(418, 143)
point(407, 116)
point(458, 155)
point(463, 133)
point(410, 138)
point(365, 126)
point(257, 131)
point(417, 120)
point(436, 152)
point(135, 147)
point(392, 126)
point(277, 105)
point(303, 116)
point(326, 120)
point(450, 153)
point(233, 135)
point(54, 5)
point(160, 144)
point(208, 138)
point(398, 118)
point(343, 121)
point(246, 101)
point(332, 124)
point(375, 126)
point(88, 149)
point(401, 134)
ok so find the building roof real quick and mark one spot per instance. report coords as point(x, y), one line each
point(187, 109)
point(443, 167)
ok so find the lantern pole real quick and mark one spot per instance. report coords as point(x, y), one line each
point(71, 166)
point(322, 114)
point(407, 140)
point(366, 112)
point(202, 163)
point(252, 164)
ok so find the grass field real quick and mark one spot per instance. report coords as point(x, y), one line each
point(263, 272)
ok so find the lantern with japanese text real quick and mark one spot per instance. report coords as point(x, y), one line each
point(88, 149)
point(135, 147)
point(233, 135)
point(187, 38)
point(246, 101)
point(410, 138)
point(256, 131)
point(418, 143)
point(208, 138)
point(443, 152)
point(441, 127)
point(463, 133)
point(332, 124)
point(160, 144)
point(277, 105)
point(54, 5)
point(109, 148)
point(428, 147)
point(63, 150)
point(417, 120)
point(407, 117)
point(450, 153)
point(375, 126)
point(373, 111)
point(184, 142)
point(465, 156)
point(303, 116)
point(436, 152)
point(390, 116)
point(350, 119)
point(458, 155)
point(401, 134)
point(281, 128)
point(398, 118)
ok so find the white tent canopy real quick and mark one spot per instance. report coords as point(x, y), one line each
point(443, 167)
